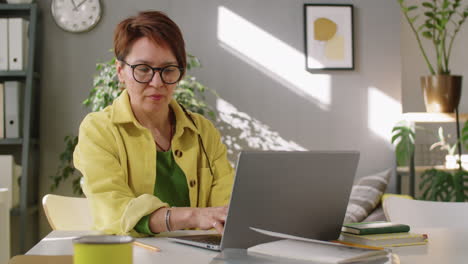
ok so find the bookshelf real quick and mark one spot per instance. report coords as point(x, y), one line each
point(25, 149)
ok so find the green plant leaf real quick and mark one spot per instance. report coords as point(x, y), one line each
point(427, 4)
point(403, 139)
point(427, 34)
point(464, 136)
point(445, 4)
point(430, 14)
point(428, 25)
point(413, 19)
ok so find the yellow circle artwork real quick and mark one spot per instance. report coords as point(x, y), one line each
point(325, 30)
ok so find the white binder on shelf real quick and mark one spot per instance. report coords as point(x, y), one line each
point(2, 110)
point(12, 109)
point(17, 43)
point(3, 44)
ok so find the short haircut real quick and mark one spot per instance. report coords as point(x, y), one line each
point(154, 25)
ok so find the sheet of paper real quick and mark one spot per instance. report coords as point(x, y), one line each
point(286, 236)
point(301, 248)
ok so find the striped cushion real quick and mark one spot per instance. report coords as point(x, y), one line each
point(365, 196)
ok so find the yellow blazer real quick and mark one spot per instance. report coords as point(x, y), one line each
point(117, 157)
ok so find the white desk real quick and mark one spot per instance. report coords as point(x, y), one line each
point(445, 246)
point(59, 243)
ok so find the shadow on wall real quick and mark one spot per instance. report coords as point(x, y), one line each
point(242, 132)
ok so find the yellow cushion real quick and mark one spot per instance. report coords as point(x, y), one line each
point(397, 195)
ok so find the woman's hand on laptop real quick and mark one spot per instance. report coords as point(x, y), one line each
point(211, 217)
point(186, 217)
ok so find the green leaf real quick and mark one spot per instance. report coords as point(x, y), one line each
point(427, 4)
point(429, 14)
point(411, 8)
point(403, 138)
point(413, 19)
point(445, 4)
point(427, 34)
point(428, 25)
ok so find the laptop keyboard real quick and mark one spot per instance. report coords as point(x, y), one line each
point(212, 240)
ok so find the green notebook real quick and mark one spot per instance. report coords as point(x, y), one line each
point(367, 228)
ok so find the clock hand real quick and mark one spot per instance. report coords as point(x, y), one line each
point(76, 7)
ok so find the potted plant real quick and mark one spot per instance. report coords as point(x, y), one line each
point(189, 93)
point(440, 22)
point(436, 185)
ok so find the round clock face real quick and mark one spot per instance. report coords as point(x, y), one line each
point(76, 15)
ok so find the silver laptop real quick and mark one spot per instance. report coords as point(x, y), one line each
point(301, 193)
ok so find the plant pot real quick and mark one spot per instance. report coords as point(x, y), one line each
point(441, 92)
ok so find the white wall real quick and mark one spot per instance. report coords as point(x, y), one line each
point(355, 116)
point(253, 86)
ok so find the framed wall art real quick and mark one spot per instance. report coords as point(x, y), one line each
point(328, 34)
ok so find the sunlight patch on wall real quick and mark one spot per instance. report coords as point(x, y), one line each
point(383, 113)
point(241, 132)
point(272, 56)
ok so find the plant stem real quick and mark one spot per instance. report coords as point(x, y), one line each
point(458, 139)
point(443, 57)
point(457, 29)
point(431, 69)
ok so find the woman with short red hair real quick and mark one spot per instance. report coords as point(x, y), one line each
point(148, 164)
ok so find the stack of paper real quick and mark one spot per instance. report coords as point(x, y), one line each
point(323, 253)
point(299, 248)
point(385, 240)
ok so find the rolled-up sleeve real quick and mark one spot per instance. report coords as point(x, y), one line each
point(115, 207)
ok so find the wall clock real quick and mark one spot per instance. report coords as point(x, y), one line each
point(76, 15)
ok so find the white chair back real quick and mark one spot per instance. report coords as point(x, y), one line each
point(417, 213)
point(67, 213)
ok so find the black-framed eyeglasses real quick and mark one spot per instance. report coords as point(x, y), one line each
point(143, 73)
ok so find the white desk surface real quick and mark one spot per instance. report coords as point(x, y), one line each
point(59, 243)
point(445, 246)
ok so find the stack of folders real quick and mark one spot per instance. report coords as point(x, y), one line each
point(380, 235)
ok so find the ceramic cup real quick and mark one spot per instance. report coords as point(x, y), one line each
point(103, 249)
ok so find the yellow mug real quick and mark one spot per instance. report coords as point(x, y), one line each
point(103, 249)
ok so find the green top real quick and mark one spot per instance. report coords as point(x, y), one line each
point(171, 187)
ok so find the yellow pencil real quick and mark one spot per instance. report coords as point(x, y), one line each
point(149, 247)
point(357, 245)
